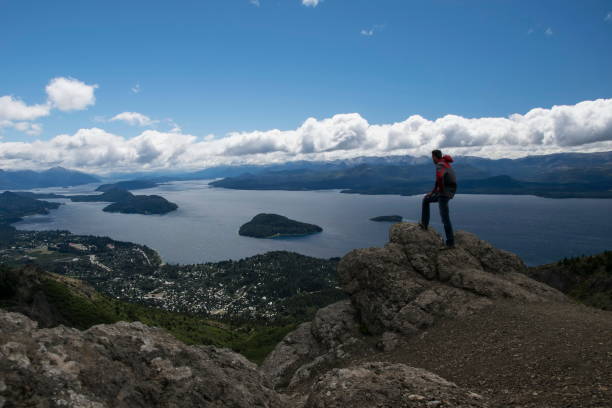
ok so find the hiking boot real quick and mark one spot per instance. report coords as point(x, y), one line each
point(423, 227)
point(448, 245)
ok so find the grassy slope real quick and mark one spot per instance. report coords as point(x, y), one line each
point(83, 307)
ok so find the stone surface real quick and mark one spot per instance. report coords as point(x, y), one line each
point(388, 385)
point(413, 281)
point(121, 365)
point(401, 290)
point(312, 346)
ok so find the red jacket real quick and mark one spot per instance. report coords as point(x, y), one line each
point(446, 181)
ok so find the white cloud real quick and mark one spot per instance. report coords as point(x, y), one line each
point(548, 32)
point(370, 32)
point(134, 119)
point(69, 94)
point(586, 126)
point(31, 129)
point(62, 93)
point(174, 127)
point(15, 109)
point(311, 3)
point(608, 16)
point(254, 2)
point(136, 88)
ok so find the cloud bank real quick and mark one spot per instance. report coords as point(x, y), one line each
point(586, 126)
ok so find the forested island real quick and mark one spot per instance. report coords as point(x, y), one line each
point(276, 226)
point(127, 203)
point(142, 204)
point(387, 218)
point(14, 206)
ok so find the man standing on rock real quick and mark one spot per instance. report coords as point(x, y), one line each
point(443, 191)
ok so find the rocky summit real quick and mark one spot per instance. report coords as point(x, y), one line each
point(401, 290)
point(424, 326)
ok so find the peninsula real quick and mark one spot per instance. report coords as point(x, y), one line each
point(128, 185)
point(127, 203)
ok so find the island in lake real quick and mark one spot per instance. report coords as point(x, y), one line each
point(128, 185)
point(14, 206)
point(387, 218)
point(275, 226)
point(127, 203)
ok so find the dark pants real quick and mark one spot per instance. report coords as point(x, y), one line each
point(443, 204)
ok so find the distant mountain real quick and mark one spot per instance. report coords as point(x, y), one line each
point(559, 175)
point(14, 206)
point(53, 177)
point(495, 185)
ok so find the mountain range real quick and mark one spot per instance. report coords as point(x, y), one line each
point(53, 177)
point(556, 175)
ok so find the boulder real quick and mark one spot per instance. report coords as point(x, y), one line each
point(312, 346)
point(121, 365)
point(388, 385)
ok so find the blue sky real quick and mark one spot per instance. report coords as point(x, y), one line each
point(220, 66)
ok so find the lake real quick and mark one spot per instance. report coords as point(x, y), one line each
point(205, 227)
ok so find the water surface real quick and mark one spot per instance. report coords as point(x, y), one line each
point(205, 227)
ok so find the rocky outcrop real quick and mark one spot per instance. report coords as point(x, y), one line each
point(388, 385)
point(330, 337)
point(120, 365)
point(399, 290)
point(414, 280)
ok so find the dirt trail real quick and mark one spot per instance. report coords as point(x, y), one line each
point(535, 355)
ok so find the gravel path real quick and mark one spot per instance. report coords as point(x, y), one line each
point(538, 355)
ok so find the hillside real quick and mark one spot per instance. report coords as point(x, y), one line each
point(272, 288)
point(423, 327)
point(587, 278)
point(52, 299)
